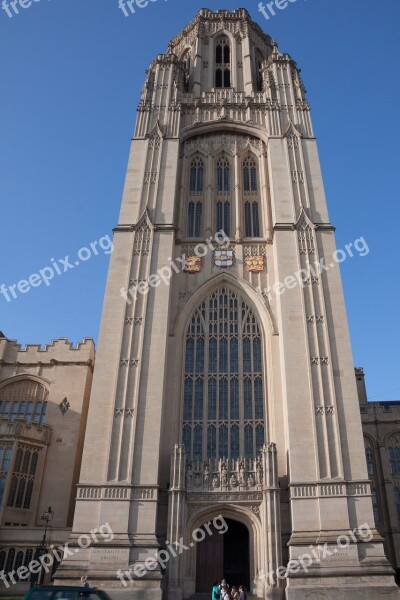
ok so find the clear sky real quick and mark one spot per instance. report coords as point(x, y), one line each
point(71, 73)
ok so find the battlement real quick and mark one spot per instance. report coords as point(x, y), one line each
point(58, 351)
point(381, 411)
point(219, 19)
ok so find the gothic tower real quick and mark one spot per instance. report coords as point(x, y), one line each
point(224, 393)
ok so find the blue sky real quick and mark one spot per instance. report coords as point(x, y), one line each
point(71, 74)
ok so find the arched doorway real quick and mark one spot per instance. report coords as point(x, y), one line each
point(226, 555)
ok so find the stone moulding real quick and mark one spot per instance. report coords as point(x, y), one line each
point(324, 490)
point(127, 492)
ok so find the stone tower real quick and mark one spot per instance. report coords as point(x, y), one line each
point(224, 382)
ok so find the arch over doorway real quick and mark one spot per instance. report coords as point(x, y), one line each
point(226, 555)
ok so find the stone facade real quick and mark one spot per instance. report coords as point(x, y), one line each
point(381, 428)
point(214, 395)
point(44, 399)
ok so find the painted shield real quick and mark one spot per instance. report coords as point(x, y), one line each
point(191, 264)
point(254, 264)
point(224, 258)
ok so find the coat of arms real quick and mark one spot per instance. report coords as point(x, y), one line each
point(254, 264)
point(191, 264)
point(224, 258)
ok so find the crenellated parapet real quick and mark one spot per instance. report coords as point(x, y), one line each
point(58, 352)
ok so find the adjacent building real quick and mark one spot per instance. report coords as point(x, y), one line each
point(44, 399)
point(381, 428)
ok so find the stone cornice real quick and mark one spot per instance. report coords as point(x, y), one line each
point(51, 363)
point(292, 227)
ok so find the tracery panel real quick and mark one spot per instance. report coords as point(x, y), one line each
point(223, 392)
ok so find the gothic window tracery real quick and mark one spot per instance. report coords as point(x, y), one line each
point(250, 192)
point(223, 63)
point(223, 175)
point(23, 477)
point(223, 397)
point(223, 205)
point(196, 176)
point(393, 449)
point(195, 207)
point(24, 400)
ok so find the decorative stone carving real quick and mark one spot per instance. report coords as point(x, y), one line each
point(324, 410)
point(212, 144)
point(255, 509)
point(255, 250)
point(150, 177)
point(125, 362)
point(64, 406)
point(224, 475)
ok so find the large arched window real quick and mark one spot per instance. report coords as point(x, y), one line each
point(24, 400)
point(223, 395)
point(223, 63)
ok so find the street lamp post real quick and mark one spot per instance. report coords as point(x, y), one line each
point(47, 516)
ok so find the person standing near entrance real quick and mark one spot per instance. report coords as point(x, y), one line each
point(215, 594)
point(225, 594)
point(223, 584)
point(235, 593)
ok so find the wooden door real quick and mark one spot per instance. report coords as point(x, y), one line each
point(210, 562)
